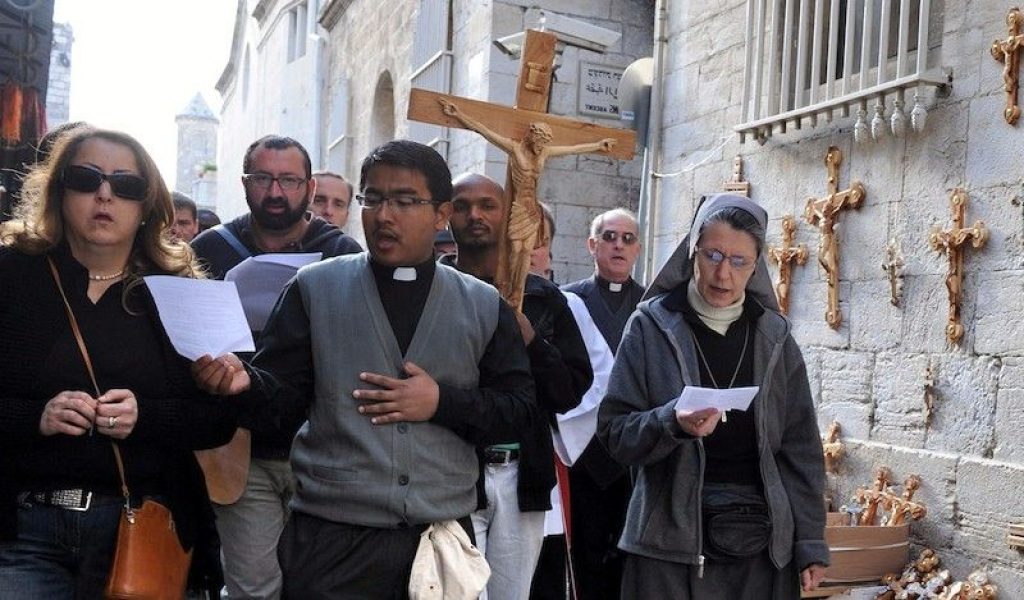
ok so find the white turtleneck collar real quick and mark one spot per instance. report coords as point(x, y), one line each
point(717, 319)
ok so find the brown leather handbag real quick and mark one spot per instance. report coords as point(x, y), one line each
point(149, 562)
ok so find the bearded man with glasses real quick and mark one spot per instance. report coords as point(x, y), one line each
point(278, 189)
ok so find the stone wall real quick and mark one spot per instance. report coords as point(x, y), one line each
point(870, 373)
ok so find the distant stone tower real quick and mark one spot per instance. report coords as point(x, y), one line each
point(58, 91)
point(197, 153)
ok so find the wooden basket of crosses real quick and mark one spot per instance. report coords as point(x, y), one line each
point(871, 537)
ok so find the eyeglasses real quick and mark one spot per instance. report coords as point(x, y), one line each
point(628, 238)
point(81, 178)
point(373, 201)
point(262, 181)
point(716, 257)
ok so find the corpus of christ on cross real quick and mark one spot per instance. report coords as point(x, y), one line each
point(529, 136)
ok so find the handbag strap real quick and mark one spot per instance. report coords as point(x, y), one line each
point(92, 375)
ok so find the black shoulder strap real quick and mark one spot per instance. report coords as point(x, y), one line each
point(232, 240)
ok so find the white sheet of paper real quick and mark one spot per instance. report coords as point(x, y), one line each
point(695, 398)
point(201, 316)
point(260, 280)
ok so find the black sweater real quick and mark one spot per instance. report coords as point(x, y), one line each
point(561, 373)
point(40, 359)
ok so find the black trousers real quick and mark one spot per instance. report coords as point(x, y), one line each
point(323, 559)
point(598, 516)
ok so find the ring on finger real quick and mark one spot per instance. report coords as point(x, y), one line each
point(111, 422)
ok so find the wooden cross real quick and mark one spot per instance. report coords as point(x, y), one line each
point(903, 506)
point(832, 447)
point(893, 267)
point(1007, 52)
point(784, 257)
point(952, 242)
point(737, 185)
point(824, 214)
point(529, 136)
point(870, 499)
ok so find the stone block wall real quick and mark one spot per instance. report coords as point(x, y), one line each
point(870, 373)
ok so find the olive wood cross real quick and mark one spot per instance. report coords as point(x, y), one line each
point(824, 214)
point(952, 242)
point(1007, 52)
point(784, 256)
point(871, 498)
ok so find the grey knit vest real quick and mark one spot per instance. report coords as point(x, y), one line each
point(349, 470)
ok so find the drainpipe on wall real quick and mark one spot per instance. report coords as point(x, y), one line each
point(318, 98)
point(650, 196)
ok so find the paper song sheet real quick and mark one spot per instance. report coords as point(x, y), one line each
point(260, 280)
point(696, 398)
point(201, 316)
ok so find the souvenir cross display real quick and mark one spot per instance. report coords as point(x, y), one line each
point(823, 213)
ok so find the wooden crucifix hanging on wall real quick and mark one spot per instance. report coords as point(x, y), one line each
point(824, 214)
point(529, 136)
point(951, 242)
point(1008, 52)
point(785, 256)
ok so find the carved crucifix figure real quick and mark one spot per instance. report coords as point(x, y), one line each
point(784, 256)
point(952, 242)
point(824, 214)
point(1007, 52)
point(529, 136)
point(526, 158)
point(737, 185)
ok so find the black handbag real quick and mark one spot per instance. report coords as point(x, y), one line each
point(735, 531)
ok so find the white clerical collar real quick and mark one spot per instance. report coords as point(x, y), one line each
point(614, 287)
point(404, 274)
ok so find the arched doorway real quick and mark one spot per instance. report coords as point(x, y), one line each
point(382, 122)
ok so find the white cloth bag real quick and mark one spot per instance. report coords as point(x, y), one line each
point(447, 566)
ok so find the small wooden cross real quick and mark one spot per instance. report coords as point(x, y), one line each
point(871, 498)
point(1007, 52)
point(832, 447)
point(952, 242)
point(784, 256)
point(737, 185)
point(824, 214)
point(903, 506)
point(893, 267)
point(529, 136)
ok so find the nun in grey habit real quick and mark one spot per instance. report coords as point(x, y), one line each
point(724, 505)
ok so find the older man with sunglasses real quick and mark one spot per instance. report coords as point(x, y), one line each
point(600, 486)
point(278, 187)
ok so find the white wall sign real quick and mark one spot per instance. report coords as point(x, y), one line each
point(598, 90)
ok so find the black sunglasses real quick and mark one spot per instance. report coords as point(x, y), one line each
point(628, 237)
point(81, 178)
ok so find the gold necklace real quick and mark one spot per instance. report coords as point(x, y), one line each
point(106, 277)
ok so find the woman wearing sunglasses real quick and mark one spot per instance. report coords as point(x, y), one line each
point(94, 217)
point(724, 505)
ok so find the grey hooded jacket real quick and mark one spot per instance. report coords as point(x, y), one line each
point(637, 424)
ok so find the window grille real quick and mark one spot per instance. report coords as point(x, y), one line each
point(808, 59)
point(432, 66)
